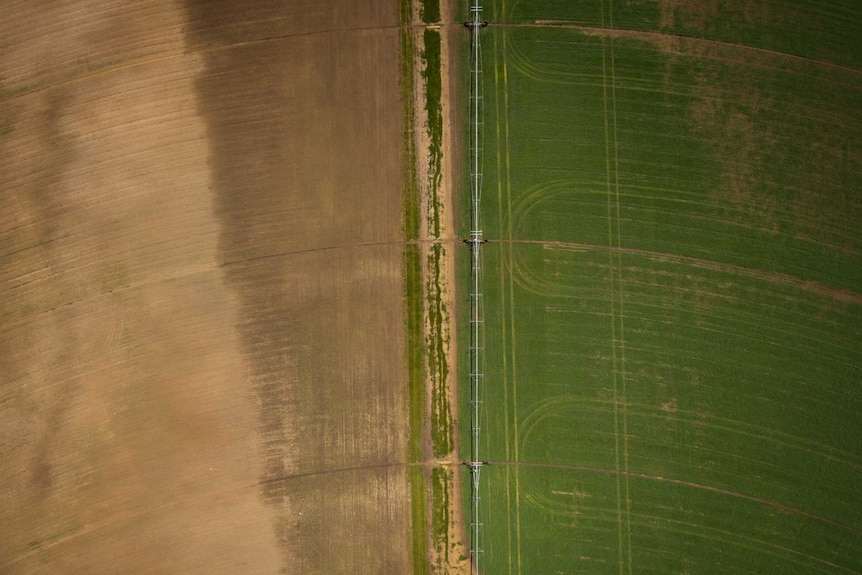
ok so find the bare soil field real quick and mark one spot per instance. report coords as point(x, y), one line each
point(201, 317)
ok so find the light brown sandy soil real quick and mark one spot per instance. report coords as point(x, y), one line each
point(452, 101)
point(127, 433)
point(201, 323)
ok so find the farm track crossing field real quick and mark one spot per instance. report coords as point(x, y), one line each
point(672, 289)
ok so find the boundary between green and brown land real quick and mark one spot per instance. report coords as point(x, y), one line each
point(437, 539)
point(412, 269)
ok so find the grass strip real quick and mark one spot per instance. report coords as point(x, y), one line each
point(416, 478)
point(413, 300)
point(438, 366)
point(415, 348)
point(441, 479)
point(430, 11)
point(431, 73)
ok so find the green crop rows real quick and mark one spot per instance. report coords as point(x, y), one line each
point(672, 289)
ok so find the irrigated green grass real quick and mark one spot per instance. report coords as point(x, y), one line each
point(827, 31)
point(673, 313)
point(734, 387)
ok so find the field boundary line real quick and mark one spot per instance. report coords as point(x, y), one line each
point(795, 282)
point(693, 484)
point(367, 467)
point(384, 243)
point(180, 53)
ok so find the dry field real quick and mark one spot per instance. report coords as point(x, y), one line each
point(201, 317)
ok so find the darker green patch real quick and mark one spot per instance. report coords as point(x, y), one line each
point(433, 95)
point(430, 11)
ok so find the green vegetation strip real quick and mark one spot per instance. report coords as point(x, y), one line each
point(430, 11)
point(433, 94)
point(418, 502)
point(441, 480)
point(438, 366)
point(415, 348)
point(412, 272)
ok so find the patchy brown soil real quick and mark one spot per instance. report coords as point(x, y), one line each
point(201, 323)
point(452, 101)
point(688, 13)
point(305, 133)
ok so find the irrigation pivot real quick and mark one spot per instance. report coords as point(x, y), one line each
point(477, 359)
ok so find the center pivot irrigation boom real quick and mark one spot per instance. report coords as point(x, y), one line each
point(475, 241)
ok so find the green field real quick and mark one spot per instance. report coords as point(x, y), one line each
point(673, 288)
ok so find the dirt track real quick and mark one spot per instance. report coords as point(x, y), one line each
point(162, 376)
